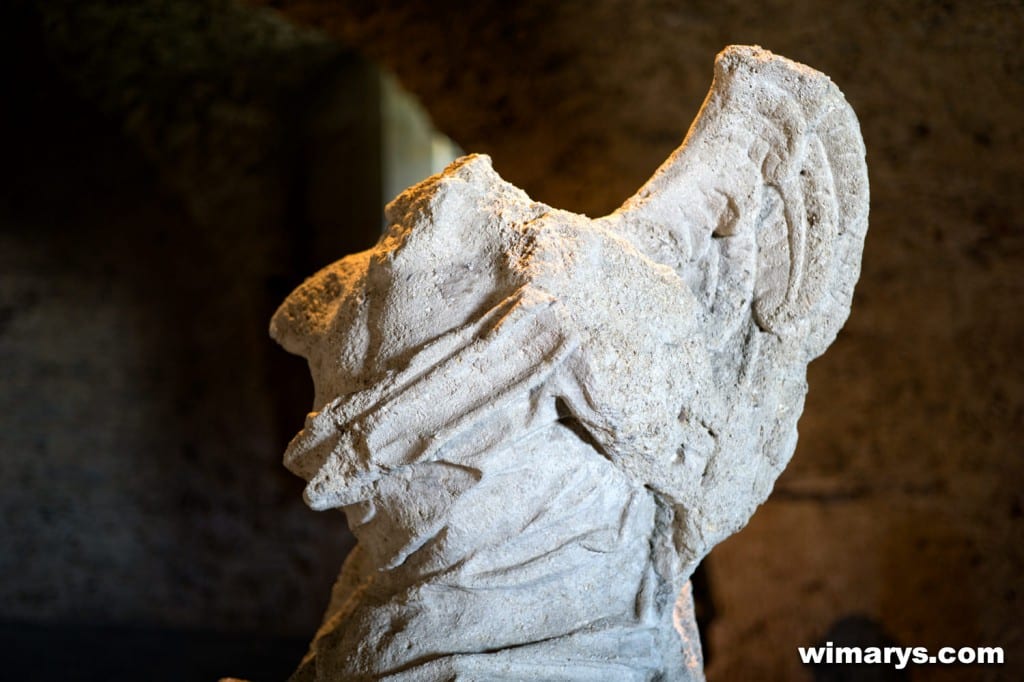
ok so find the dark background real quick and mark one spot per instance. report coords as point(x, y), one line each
point(172, 169)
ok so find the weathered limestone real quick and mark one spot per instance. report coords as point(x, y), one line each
point(537, 423)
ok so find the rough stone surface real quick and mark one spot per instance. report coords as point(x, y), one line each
point(904, 499)
point(537, 424)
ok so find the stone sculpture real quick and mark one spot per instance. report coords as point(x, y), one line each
point(537, 424)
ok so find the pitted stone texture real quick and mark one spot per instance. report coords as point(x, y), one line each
point(538, 424)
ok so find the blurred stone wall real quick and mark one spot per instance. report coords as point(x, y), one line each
point(174, 168)
point(171, 171)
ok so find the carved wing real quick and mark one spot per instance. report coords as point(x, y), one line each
point(763, 209)
point(762, 212)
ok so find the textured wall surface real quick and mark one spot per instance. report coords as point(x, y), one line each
point(903, 502)
point(162, 192)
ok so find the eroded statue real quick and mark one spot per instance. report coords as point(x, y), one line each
point(537, 424)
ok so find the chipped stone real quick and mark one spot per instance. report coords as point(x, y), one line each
point(538, 424)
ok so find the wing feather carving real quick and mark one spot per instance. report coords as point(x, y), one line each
point(762, 212)
point(768, 192)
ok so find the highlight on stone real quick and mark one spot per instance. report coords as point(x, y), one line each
point(538, 424)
